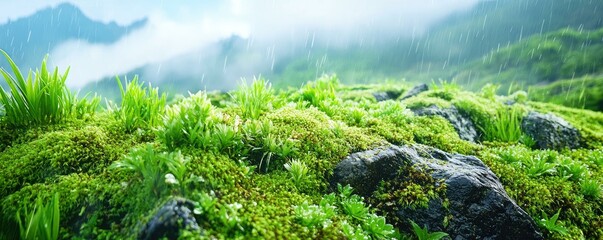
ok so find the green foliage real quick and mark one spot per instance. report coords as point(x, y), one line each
point(321, 93)
point(253, 101)
point(489, 91)
point(538, 166)
point(352, 205)
point(194, 122)
point(527, 140)
point(591, 188)
point(42, 222)
point(312, 216)
point(504, 127)
point(424, 234)
point(581, 92)
point(298, 171)
point(551, 224)
point(563, 54)
point(158, 170)
point(141, 107)
point(573, 171)
point(445, 90)
point(40, 99)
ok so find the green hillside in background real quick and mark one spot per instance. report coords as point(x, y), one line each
point(538, 60)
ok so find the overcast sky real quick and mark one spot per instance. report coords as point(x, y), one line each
point(181, 26)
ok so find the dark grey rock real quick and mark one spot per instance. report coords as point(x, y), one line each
point(550, 131)
point(415, 91)
point(478, 205)
point(364, 170)
point(463, 125)
point(387, 95)
point(174, 215)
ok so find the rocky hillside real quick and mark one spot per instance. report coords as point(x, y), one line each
point(325, 161)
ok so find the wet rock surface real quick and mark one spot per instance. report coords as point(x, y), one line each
point(174, 215)
point(387, 95)
point(415, 91)
point(550, 131)
point(477, 205)
point(463, 125)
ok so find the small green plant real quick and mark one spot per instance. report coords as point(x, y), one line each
point(42, 222)
point(353, 232)
point(312, 216)
point(424, 234)
point(189, 123)
point(489, 91)
point(355, 208)
point(158, 170)
point(363, 223)
point(321, 94)
point(551, 224)
point(445, 90)
point(539, 166)
point(225, 217)
point(590, 188)
point(140, 106)
point(527, 140)
point(254, 100)
point(42, 98)
point(505, 126)
point(573, 171)
point(377, 227)
point(298, 172)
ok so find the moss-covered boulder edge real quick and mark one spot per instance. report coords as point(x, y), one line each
point(256, 163)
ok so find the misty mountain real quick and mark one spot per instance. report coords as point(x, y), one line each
point(27, 40)
point(447, 50)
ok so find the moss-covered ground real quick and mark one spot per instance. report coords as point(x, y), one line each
point(257, 162)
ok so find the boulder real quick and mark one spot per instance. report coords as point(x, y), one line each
point(175, 214)
point(364, 170)
point(550, 131)
point(477, 205)
point(415, 91)
point(463, 125)
point(387, 95)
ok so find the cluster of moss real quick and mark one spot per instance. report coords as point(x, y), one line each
point(227, 154)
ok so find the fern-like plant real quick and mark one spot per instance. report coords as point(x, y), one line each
point(42, 223)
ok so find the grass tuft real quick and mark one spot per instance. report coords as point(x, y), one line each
point(41, 98)
point(254, 100)
point(504, 127)
point(42, 223)
point(140, 106)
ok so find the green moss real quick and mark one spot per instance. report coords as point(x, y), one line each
point(437, 132)
point(546, 193)
point(424, 100)
point(319, 126)
point(412, 188)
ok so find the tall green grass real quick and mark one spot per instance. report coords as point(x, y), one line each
point(505, 126)
point(141, 107)
point(255, 99)
point(41, 98)
point(42, 222)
